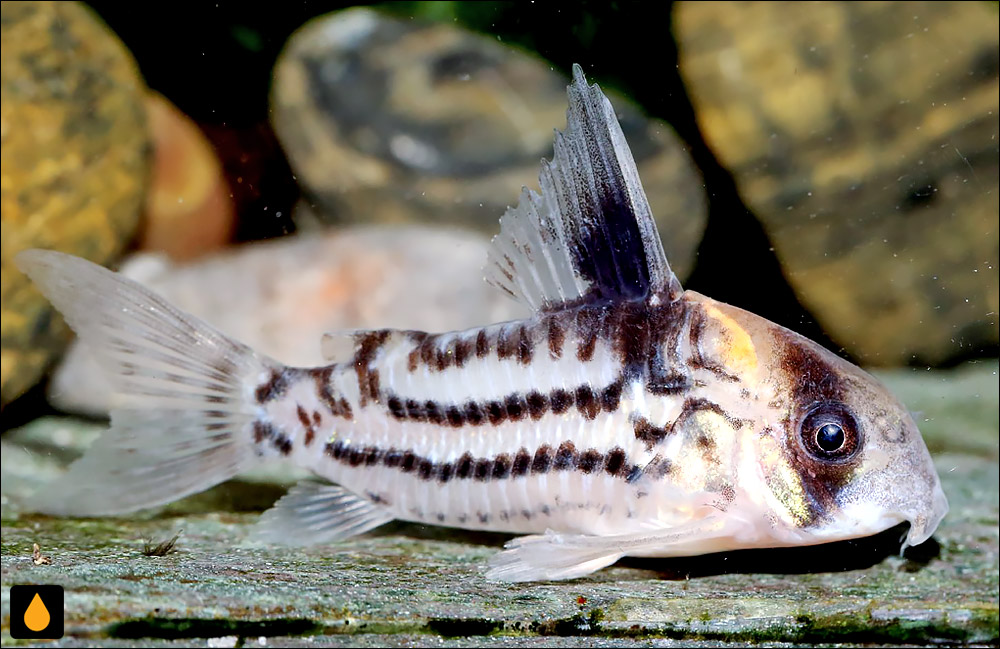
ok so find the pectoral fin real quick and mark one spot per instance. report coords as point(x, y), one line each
point(553, 556)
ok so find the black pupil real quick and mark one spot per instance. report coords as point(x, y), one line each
point(830, 437)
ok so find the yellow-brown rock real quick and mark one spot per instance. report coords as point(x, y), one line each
point(74, 157)
point(864, 137)
point(393, 121)
point(188, 209)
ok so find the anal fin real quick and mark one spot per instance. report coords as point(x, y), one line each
point(313, 513)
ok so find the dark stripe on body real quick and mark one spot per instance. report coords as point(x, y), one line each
point(369, 343)
point(274, 387)
point(482, 344)
point(556, 334)
point(651, 435)
point(413, 358)
point(666, 372)
point(307, 424)
point(438, 352)
point(645, 339)
point(264, 432)
point(337, 405)
point(514, 407)
point(499, 467)
point(280, 380)
point(588, 320)
point(515, 341)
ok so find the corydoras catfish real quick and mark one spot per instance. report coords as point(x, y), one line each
point(627, 416)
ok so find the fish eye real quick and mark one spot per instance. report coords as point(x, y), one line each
point(829, 432)
point(830, 438)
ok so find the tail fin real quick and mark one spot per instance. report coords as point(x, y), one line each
point(185, 407)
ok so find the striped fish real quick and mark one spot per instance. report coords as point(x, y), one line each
point(625, 417)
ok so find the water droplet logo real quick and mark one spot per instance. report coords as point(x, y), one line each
point(37, 611)
point(37, 616)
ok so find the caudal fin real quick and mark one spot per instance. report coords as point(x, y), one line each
point(185, 407)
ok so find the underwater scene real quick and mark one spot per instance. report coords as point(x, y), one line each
point(500, 323)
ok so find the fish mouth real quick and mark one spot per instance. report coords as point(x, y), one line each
point(923, 525)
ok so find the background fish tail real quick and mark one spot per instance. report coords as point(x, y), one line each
point(185, 414)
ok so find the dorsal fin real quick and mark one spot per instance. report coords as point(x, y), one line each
point(589, 236)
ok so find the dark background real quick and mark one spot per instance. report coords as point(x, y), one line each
point(214, 61)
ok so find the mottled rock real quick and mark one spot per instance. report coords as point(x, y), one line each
point(74, 163)
point(394, 121)
point(280, 297)
point(864, 136)
point(189, 210)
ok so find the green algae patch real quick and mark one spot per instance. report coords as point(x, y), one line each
point(463, 627)
point(834, 621)
point(574, 625)
point(175, 628)
point(920, 626)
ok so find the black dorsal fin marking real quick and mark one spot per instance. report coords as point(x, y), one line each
point(589, 236)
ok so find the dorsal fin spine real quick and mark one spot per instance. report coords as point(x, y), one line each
point(589, 235)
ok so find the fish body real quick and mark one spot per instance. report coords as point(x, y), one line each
point(627, 416)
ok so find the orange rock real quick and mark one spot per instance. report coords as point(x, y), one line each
point(189, 209)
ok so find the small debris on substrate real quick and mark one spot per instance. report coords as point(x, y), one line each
point(38, 558)
point(162, 548)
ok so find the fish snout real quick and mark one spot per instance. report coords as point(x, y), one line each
point(924, 523)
